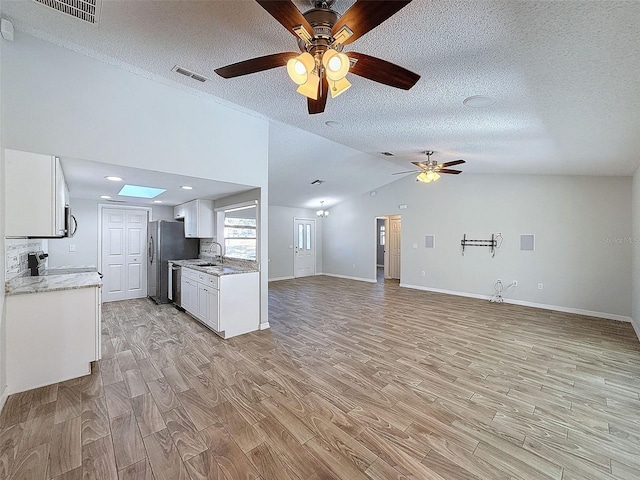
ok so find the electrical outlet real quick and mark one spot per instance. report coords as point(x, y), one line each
point(540, 286)
point(72, 248)
point(515, 283)
point(424, 273)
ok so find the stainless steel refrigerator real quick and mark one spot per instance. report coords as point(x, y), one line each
point(166, 241)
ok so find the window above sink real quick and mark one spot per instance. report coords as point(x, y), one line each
point(238, 230)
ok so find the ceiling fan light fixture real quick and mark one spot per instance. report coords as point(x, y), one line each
point(301, 67)
point(310, 87)
point(336, 64)
point(339, 87)
point(428, 176)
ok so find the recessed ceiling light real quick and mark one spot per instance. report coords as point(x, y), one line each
point(186, 187)
point(333, 124)
point(106, 197)
point(140, 192)
point(113, 179)
point(157, 201)
point(373, 193)
point(479, 101)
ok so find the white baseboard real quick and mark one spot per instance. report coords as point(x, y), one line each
point(557, 308)
point(636, 328)
point(277, 279)
point(264, 326)
point(359, 279)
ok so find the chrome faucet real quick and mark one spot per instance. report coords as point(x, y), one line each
point(211, 251)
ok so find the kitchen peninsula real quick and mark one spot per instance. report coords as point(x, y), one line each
point(224, 297)
point(53, 328)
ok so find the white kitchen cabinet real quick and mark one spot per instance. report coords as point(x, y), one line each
point(52, 336)
point(198, 218)
point(179, 211)
point(202, 311)
point(213, 320)
point(34, 183)
point(228, 304)
point(189, 294)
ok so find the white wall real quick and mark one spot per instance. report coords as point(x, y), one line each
point(282, 239)
point(578, 223)
point(60, 102)
point(63, 103)
point(635, 239)
point(86, 238)
point(3, 329)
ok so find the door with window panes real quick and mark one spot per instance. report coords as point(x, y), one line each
point(304, 263)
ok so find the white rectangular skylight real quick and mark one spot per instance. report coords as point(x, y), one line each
point(140, 192)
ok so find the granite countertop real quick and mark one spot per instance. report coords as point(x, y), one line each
point(230, 267)
point(52, 283)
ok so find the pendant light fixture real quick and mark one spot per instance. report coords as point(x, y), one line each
point(322, 212)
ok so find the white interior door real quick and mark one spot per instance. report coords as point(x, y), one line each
point(304, 261)
point(394, 247)
point(113, 255)
point(136, 260)
point(124, 261)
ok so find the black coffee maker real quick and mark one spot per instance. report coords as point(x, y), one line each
point(35, 262)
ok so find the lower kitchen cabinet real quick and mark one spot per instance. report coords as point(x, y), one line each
point(52, 336)
point(213, 319)
point(189, 290)
point(227, 304)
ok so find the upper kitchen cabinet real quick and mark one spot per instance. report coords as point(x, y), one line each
point(198, 218)
point(34, 183)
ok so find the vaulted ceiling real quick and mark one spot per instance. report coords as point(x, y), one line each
point(563, 74)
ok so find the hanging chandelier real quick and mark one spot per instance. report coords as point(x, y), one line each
point(322, 212)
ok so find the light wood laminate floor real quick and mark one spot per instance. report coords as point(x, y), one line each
point(354, 381)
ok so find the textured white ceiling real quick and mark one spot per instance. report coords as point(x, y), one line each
point(564, 75)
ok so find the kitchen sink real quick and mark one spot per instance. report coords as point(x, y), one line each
point(206, 264)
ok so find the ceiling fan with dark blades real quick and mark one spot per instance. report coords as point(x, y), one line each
point(322, 33)
point(430, 170)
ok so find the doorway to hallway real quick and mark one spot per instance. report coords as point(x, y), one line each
point(388, 247)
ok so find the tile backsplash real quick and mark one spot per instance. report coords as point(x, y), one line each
point(15, 251)
point(205, 247)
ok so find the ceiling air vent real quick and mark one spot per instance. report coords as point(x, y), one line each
point(388, 154)
point(189, 73)
point(116, 201)
point(317, 182)
point(87, 10)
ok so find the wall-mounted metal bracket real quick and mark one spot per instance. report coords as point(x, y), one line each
point(491, 243)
